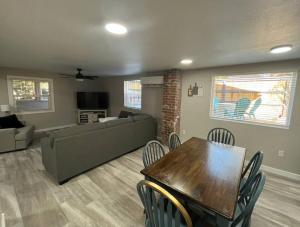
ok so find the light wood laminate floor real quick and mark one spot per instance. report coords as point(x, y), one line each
point(106, 196)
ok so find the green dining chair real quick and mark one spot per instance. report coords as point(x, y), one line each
point(221, 135)
point(162, 208)
point(174, 141)
point(244, 208)
point(251, 170)
point(153, 151)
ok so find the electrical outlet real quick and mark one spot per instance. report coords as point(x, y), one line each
point(281, 153)
point(183, 131)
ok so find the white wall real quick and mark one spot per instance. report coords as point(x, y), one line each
point(195, 118)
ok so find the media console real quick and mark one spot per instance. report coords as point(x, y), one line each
point(90, 116)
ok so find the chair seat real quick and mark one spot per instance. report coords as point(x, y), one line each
point(193, 217)
point(166, 219)
point(210, 220)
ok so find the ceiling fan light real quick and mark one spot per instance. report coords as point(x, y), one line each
point(117, 29)
point(79, 80)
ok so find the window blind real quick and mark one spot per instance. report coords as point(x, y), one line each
point(265, 98)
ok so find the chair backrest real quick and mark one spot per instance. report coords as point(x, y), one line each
point(174, 141)
point(256, 104)
point(241, 107)
point(216, 103)
point(253, 168)
point(162, 209)
point(248, 199)
point(221, 135)
point(153, 151)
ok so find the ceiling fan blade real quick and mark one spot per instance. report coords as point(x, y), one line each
point(78, 76)
point(89, 77)
point(65, 75)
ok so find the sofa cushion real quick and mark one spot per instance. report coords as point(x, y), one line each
point(117, 122)
point(106, 119)
point(10, 121)
point(140, 117)
point(24, 133)
point(75, 130)
point(86, 128)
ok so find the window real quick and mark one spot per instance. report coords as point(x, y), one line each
point(133, 94)
point(30, 94)
point(265, 98)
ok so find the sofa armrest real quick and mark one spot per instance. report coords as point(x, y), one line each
point(11, 131)
point(49, 157)
point(7, 139)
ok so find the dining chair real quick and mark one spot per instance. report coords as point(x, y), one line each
point(221, 135)
point(174, 141)
point(244, 208)
point(162, 208)
point(153, 151)
point(251, 170)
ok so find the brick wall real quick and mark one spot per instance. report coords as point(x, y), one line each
point(171, 103)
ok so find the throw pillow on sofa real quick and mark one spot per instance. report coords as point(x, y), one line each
point(125, 114)
point(10, 121)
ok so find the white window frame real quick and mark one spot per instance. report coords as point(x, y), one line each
point(290, 107)
point(51, 95)
point(129, 107)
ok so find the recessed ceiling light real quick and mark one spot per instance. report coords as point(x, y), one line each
point(186, 61)
point(117, 29)
point(281, 49)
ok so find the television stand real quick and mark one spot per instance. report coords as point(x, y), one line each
point(90, 116)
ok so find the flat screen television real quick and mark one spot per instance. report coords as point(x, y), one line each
point(92, 100)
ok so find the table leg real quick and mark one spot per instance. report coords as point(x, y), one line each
point(222, 222)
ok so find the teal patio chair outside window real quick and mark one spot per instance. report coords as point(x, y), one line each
point(153, 151)
point(174, 141)
point(162, 208)
point(241, 107)
point(216, 103)
point(221, 135)
point(253, 109)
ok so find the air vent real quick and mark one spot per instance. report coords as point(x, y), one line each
point(152, 80)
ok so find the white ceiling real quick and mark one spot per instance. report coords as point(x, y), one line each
point(60, 35)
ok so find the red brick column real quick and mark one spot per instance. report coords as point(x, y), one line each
point(171, 103)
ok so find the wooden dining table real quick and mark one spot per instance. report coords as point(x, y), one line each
point(205, 173)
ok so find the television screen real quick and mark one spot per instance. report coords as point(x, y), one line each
point(92, 100)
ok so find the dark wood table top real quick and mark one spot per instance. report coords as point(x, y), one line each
point(205, 172)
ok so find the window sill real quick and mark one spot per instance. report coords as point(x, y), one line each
point(251, 123)
point(132, 108)
point(34, 112)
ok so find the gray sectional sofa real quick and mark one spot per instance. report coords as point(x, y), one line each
point(69, 152)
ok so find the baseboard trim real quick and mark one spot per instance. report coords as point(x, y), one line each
point(279, 172)
point(54, 128)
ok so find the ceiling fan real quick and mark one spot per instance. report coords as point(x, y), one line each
point(79, 76)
